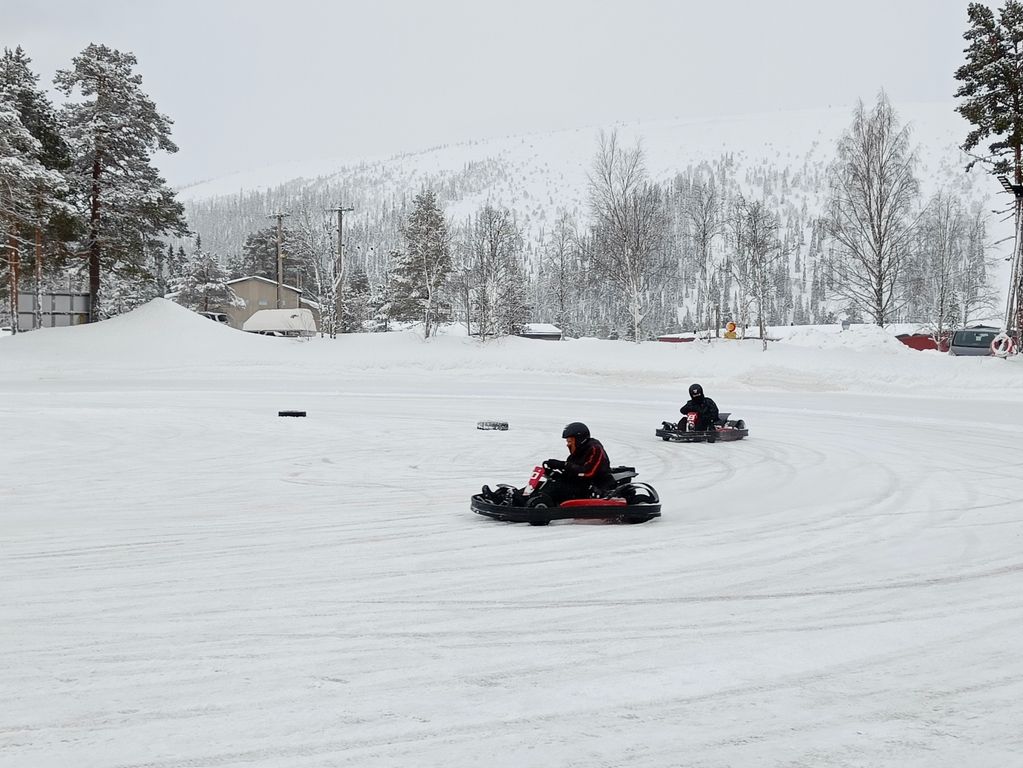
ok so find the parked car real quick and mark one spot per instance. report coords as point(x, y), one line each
point(973, 342)
point(217, 317)
point(281, 322)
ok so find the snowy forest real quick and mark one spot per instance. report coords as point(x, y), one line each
point(83, 207)
point(715, 241)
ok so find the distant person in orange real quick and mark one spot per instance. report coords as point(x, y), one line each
point(730, 331)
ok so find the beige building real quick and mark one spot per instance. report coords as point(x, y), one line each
point(260, 293)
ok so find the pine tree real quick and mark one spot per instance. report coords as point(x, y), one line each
point(421, 270)
point(379, 306)
point(49, 222)
point(124, 292)
point(113, 132)
point(992, 89)
point(204, 286)
point(357, 299)
point(27, 191)
point(34, 107)
point(992, 85)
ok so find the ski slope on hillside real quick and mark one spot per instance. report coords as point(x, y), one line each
point(190, 580)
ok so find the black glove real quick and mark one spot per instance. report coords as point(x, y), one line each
point(554, 464)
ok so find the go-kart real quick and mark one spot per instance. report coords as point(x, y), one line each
point(724, 429)
point(625, 502)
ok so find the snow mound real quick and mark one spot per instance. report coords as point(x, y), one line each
point(159, 329)
point(859, 337)
point(163, 342)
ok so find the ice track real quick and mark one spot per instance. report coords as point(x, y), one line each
point(199, 583)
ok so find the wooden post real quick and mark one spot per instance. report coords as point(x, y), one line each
point(37, 316)
point(12, 246)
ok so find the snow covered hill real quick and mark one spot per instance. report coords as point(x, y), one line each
point(537, 176)
point(781, 137)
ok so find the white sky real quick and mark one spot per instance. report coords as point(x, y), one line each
point(256, 83)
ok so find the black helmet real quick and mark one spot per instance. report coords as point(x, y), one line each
point(695, 390)
point(576, 429)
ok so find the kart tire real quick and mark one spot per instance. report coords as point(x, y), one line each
point(538, 506)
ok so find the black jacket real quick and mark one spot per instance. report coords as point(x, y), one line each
point(588, 464)
point(704, 407)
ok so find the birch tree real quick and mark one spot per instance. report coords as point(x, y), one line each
point(872, 194)
point(311, 244)
point(630, 226)
point(495, 284)
point(758, 248)
point(559, 265)
point(702, 211)
point(974, 294)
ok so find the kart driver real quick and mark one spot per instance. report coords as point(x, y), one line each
point(706, 410)
point(587, 466)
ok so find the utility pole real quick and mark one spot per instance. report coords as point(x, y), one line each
point(1013, 306)
point(339, 267)
point(280, 257)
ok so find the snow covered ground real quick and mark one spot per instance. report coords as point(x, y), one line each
point(189, 580)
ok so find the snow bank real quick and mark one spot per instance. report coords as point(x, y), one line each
point(860, 337)
point(162, 336)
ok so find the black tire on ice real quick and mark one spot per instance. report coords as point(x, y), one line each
point(538, 506)
point(500, 425)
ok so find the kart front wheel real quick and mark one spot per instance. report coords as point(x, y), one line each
point(538, 506)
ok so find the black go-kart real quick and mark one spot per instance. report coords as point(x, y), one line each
point(625, 502)
point(724, 430)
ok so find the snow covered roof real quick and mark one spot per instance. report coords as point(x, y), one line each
point(265, 280)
